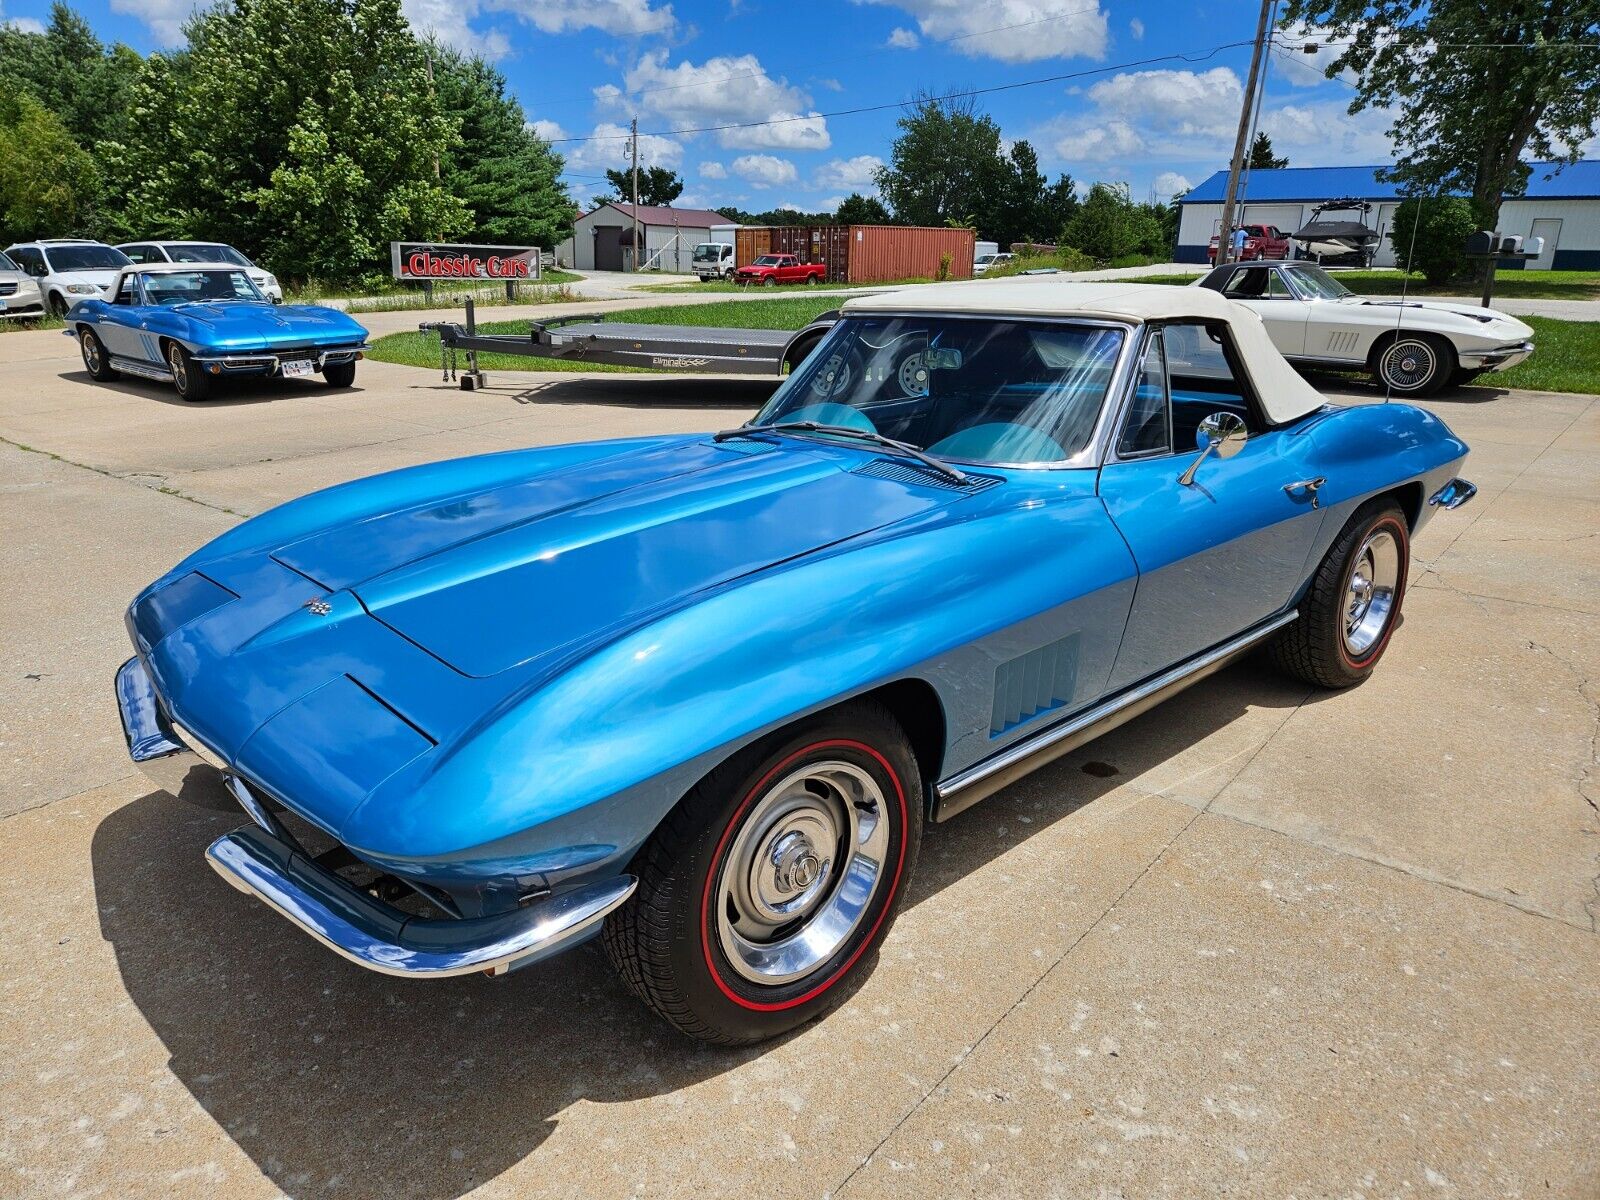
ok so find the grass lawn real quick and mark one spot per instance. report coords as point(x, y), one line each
point(1516, 285)
point(781, 312)
point(1566, 358)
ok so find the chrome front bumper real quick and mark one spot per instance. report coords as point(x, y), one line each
point(1498, 359)
point(257, 364)
point(266, 863)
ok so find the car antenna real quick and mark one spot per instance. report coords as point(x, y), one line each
point(1405, 284)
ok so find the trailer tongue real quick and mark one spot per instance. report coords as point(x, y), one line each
point(590, 337)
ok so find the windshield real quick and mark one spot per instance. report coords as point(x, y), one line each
point(7, 265)
point(769, 260)
point(188, 287)
point(708, 251)
point(86, 258)
point(978, 391)
point(1318, 284)
point(207, 254)
point(986, 259)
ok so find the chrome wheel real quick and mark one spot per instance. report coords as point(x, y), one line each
point(802, 872)
point(1408, 365)
point(90, 346)
point(180, 368)
point(1370, 593)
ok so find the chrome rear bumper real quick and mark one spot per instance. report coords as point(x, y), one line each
point(1454, 494)
point(373, 935)
point(266, 863)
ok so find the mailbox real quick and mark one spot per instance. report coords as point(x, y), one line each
point(1480, 244)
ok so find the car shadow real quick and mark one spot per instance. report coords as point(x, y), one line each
point(321, 1071)
point(227, 393)
point(1364, 389)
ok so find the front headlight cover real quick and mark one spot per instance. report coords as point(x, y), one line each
point(82, 289)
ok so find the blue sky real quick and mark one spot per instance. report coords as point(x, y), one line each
point(582, 68)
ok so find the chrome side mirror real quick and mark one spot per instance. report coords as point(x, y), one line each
point(1222, 433)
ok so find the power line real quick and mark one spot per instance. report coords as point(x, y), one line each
point(961, 94)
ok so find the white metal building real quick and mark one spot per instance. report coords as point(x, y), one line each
point(602, 239)
point(1564, 209)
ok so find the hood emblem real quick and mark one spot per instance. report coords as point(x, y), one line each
point(317, 607)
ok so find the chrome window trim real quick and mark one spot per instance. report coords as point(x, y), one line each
point(1113, 455)
point(1093, 452)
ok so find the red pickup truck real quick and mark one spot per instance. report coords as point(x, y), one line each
point(1260, 241)
point(772, 269)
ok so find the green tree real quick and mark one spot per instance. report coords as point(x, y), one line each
point(71, 73)
point(1476, 88)
point(1434, 241)
point(945, 166)
point(505, 174)
point(1059, 206)
point(856, 209)
point(1017, 212)
point(48, 183)
point(1108, 225)
point(657, 185)
point(1261, 156)
point(303, 131)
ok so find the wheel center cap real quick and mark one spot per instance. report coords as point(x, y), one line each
point(795, 863)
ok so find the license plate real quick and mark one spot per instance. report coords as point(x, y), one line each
point(295, 367)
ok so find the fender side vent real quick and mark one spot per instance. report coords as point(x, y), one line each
point(741, 445)
point(882, 468)
point(1034, 683)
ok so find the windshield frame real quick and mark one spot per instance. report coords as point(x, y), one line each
point(1293, 274)
point(195, 268)
point(1088, 457)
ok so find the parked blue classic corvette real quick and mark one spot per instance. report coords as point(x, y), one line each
point(703, 692)
point(194, 323)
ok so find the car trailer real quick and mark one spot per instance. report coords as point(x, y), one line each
point(592, 337)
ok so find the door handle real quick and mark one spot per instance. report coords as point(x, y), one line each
point(1309, 486)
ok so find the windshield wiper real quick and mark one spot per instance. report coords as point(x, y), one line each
point(845, 431)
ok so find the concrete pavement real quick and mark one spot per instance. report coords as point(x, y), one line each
point(1262, 941)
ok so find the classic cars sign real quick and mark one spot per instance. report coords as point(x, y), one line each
point(429, 261)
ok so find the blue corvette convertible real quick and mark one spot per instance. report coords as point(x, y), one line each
point(194, 323)
point(701, 693)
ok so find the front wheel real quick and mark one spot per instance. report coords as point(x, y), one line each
point(58, 304)
point(766, 892)
point(1415, 364)
point(95, 359)
point(1353, 604)
point(770, 281)
point(339, 375)
point(193, 384)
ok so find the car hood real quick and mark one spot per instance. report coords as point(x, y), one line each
point(1468, 312)
point(253, 325)
point(542, 571)
point(101, 279)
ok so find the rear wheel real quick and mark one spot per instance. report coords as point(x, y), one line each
point(95, 359)
point(192, 382)
point(766, 893)
point(1353, 603)
point(1414, 364)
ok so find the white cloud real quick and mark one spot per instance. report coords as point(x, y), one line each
point(610, 149)
point(20, 24)
point(1136, 27)
point(832, 85)
point(903, 39)
point(725, 90)
point(1327, 135)
point(713, 170)
point(1293, 65)
point(620, 18)
point(764, 170)
point(858, 174)
point(1099, 141)
point(164, 17)
point(1182, 102)
point(550, 131)
point(1170, 183)
point(1013, 31)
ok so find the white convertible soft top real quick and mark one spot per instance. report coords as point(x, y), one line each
point(1283, 394)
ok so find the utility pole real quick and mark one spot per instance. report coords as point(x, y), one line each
point(1225, 235)
point(634, 127)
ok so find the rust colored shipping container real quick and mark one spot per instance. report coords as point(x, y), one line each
point(884, 253)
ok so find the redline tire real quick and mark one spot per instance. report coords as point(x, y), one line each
point(95, 359)
point(680, 942)
point(1339, 637)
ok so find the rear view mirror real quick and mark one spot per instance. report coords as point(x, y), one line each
point(1222, 434)
point(942, 358)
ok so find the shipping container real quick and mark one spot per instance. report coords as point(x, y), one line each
point(863, 253)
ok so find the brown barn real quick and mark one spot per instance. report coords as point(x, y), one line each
point(863, 253)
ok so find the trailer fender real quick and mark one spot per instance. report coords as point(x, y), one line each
point(803, 343)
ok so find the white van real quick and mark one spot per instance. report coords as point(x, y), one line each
point(713, 260)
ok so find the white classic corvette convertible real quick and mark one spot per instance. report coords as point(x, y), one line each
point(1412, 347)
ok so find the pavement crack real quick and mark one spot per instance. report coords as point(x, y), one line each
point(163, 488)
